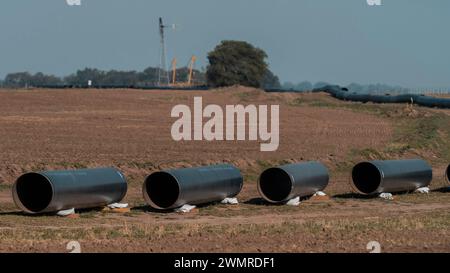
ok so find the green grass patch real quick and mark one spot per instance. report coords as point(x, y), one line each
point(417, 130)
point(430, 133)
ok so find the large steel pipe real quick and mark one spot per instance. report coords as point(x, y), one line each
point(52, 191)
point(280, 184)
point(391, 175)
point(174, 188)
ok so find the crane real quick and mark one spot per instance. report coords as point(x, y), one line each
point(190, 76)
point(174, 71)
point(191, 69)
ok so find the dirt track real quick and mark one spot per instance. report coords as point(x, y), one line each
point(130, 129)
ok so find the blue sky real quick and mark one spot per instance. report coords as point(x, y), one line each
point(402, 42)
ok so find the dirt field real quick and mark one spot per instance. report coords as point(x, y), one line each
point(130, 129)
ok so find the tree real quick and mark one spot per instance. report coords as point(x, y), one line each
point(20, 79)
point(120, 78)
point(304, 86)
point(288, 86)
point(236, 62)
point(81, 77)
point(149, 76)
point(319, 85)
point(270, 81)
point(40, 79)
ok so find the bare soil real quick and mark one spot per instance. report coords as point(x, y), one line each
point(130, 129)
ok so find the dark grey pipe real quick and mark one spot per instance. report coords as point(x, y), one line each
point(422, 100)
point(391, 176)
point(52, 191)
point(280, 184)
point(174, 188)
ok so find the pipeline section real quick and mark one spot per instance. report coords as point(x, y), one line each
point(280, 184)
point(171, 189)
point(335, 90)
point(422, 100)
point(374, 177)
point(51, 191)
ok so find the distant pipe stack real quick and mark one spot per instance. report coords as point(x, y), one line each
point(379, 176)
point(51, 191)
point(174, 188)
point(280, 184)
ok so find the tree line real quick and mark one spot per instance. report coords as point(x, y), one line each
point(148, 77)
point(230, 63)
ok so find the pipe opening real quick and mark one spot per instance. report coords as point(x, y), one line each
point(366, 177)
point(275, 184)
point(162, 190)
point(34, 192)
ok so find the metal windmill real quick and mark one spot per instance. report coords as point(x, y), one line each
point(163, 74)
